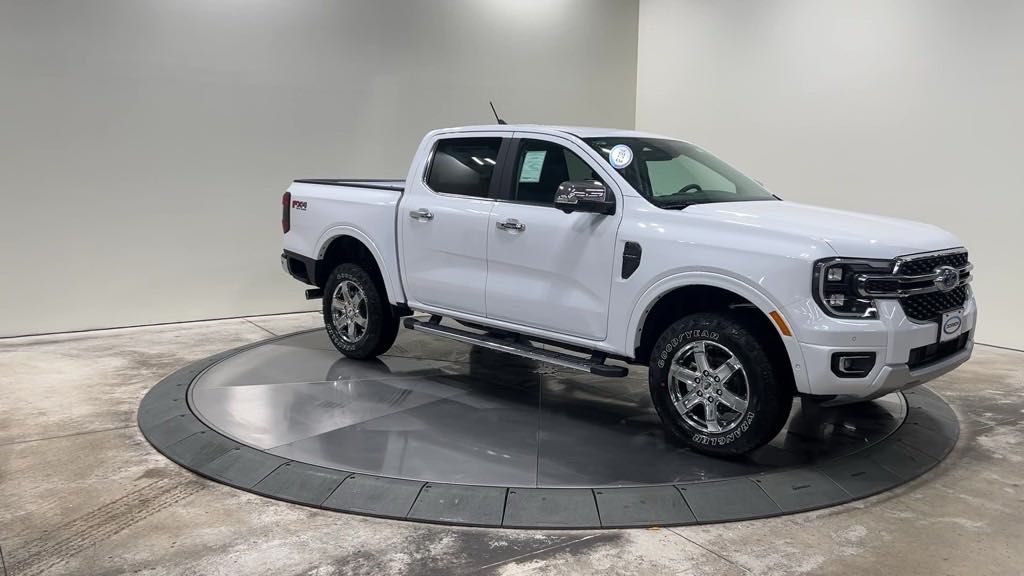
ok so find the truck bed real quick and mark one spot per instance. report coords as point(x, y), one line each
point(387, 184)
point(322, 209)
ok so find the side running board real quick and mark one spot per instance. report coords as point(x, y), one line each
point(595, 364)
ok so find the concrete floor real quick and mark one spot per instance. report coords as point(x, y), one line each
point(82, 492)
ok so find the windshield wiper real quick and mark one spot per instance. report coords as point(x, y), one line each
point(675, 205)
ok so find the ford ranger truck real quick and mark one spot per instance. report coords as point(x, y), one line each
point(610, 245)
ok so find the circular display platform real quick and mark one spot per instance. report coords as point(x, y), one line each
point(440, 431)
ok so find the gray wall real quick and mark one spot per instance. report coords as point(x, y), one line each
point(144, 145)
point(910, 108)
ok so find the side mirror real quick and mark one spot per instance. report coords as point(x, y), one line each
point(584, 196)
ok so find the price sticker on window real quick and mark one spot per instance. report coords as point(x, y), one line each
point(533, 163)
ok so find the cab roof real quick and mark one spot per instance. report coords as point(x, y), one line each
point(578, 131)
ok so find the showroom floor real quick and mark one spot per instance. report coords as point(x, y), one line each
point(82, 492)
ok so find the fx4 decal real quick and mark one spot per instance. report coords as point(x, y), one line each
point(299, 205)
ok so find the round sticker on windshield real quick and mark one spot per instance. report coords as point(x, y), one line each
point(620, 156)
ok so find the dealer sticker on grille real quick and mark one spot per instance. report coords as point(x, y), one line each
point(951, 326)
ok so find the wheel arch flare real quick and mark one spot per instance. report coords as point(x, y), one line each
point(690, 292)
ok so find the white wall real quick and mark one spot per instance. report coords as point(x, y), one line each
point(144, 145)
point(906, 108)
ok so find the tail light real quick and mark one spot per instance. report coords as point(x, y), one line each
point(286, 212)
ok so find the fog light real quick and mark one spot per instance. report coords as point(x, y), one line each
point(836, 300)
point(853, 364)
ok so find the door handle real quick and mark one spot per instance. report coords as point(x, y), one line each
point(511, 224)
point(421, 214)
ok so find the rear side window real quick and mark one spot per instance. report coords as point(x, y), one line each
point(464, 166)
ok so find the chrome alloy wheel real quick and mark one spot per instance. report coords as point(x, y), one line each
point(708, 386)
point(348, 311)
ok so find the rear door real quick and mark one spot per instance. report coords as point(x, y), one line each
point(548, 269)
point(444, 218)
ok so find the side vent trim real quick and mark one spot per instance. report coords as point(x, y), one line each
point(631, 255)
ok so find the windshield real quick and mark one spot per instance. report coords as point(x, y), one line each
point(671, 174)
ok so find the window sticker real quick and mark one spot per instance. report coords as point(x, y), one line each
point(533, 162)
point(620, 156)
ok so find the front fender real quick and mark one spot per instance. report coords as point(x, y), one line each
point(755, 296)
point(394, 290)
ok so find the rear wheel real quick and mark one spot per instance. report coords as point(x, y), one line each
point(714, 386)
point(358, 317)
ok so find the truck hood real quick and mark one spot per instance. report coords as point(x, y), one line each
point(850, 234)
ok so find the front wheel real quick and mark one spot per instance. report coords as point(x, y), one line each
point(358, 317)
point(714, 386)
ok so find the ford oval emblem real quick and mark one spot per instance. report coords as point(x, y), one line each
point(946, 278)
point(951, 325)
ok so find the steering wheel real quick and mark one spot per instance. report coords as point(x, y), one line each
point(690, 189)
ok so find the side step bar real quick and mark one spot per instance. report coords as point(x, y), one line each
point(594, 365)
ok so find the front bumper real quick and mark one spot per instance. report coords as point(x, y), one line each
point(891, 337)
point(901, 377)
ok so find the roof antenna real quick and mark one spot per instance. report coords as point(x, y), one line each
point(500, 121)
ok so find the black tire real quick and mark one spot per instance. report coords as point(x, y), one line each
point(380, 322)
point(768, 398)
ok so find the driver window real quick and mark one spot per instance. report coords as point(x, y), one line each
point(542, 166)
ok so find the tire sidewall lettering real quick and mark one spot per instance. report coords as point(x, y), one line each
point(725, 439)
point(689, 335)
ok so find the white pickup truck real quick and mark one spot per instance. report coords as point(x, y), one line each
point(626, 246)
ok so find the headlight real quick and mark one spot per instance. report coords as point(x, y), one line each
point(835, 286)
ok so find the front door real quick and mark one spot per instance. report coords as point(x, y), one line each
point(444, 218)
point(548, 269)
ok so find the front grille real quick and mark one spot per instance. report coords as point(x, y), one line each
point(930, 306)
point(926, 265)
point(924, 355)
